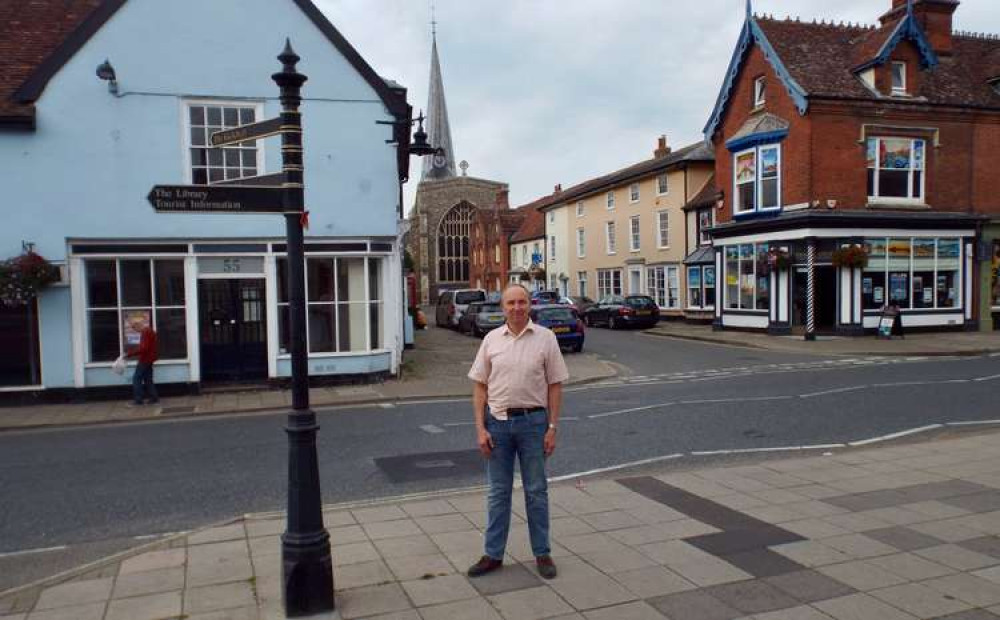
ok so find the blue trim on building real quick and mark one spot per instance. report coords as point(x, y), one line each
point(909, 29)
point(756, 139)
point(751, 33)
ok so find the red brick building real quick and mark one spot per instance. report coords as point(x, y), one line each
point(489, 250)
point(885, 138)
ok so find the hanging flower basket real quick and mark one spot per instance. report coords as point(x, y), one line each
point(852, 256)
point(778, 258)
point(22, 277)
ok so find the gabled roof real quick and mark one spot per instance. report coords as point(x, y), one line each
point(37, 37)
point(532, 226)
point(698, 152)
point(816, 60)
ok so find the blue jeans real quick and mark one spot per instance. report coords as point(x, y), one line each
point(520, 437)
point(142, 383)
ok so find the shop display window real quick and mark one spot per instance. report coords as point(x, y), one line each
point(123, 294)
point(344, 305)
point(918, 273)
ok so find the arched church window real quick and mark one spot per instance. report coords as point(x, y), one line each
point(453, 243)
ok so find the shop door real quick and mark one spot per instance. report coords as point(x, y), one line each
point(233, 327)
point(826, 298)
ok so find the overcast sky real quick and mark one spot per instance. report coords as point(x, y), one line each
point(542, 92)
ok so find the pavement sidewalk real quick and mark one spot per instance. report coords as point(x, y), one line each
point(435, 368)
point(893, 532)
point(922, 343)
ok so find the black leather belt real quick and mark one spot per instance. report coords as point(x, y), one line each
point(514, 412)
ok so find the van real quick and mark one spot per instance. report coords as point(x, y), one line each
point(451, 305)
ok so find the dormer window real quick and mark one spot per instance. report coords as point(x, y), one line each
point(759, 91)
point(898, 78)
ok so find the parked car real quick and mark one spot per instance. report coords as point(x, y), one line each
point(451, 305)
point(481, 318)
point(564, 323)
point(541, 298)
point(616, 311)
point(579, 303)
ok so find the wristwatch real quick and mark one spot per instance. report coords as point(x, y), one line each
point(552, 427)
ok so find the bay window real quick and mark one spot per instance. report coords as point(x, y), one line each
point(757, 179)
point(896, 169)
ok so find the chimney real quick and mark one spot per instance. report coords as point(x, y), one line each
point(557, 189)
point(934, 17)
point(503, 201)
point(662, 150)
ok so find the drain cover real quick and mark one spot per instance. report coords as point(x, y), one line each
point(430, 465)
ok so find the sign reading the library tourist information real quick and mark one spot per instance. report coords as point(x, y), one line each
point(244, 133)
point(215, 199)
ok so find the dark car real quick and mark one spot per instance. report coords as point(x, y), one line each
point(563, 322)
point(481, 318)
point(616, 311)
point(580, 303)
point(542, 298)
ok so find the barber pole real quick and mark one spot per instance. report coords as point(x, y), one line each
point(811, 289)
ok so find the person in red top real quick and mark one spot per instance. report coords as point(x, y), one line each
point(146, 353)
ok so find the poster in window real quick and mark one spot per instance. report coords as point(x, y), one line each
point(875, 248)
point(694, 277)
point(709, 276)
point(928, 295)
point(996, 273)
point(894, 153)
point(897, 286)
point(133, 322)
point(918, 283)
point(746, 169)
point(918, 154)
point(871, 152)
point(768, 163)
point(866, 286)
point(899, 248)
point(879, 294)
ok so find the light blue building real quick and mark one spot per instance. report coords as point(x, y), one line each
point(79, 154)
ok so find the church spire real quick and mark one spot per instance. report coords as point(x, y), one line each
point(438, 128)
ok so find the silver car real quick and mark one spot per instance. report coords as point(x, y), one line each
point(481, 318)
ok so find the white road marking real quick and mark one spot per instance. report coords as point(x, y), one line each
point(774, 449)
point(431, 428)
point(710, 401)
point(630, 410)
point(12, 554)
point(911, 431)
point(989, 378)
point(387, 405)
point(973, 423)
point(591, 472)
point(900, 384)
point(834, 391)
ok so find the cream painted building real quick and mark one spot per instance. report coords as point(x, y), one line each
point(625, 232)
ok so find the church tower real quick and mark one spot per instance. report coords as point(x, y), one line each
point(447, 205)
point(441, 165)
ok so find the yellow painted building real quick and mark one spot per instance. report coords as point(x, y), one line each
point(626, 232)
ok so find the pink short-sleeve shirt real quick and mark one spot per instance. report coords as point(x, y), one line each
point(518, 370)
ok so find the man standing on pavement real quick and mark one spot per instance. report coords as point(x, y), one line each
point(518, 375)
point(146, 352)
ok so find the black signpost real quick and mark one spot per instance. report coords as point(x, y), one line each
point(270, 127)
point(307, 568)
point(216, 199)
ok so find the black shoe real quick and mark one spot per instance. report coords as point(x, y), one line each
point(546, 567)
point(486, 564)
